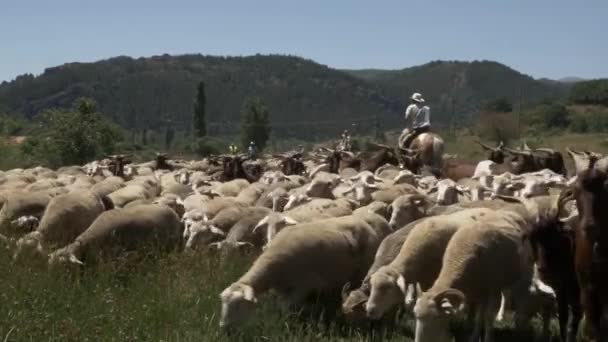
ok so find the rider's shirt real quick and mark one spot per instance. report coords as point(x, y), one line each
point(419, 116)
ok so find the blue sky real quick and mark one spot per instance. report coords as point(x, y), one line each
point(544, 38)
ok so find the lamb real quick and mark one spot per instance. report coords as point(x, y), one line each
point(470, 275)
point(318, 257)
point(65, 217)
point(353, 303)
point(120, 230)
point(202, 233)
point(419, 260)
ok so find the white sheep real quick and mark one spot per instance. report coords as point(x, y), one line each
point(304, 260)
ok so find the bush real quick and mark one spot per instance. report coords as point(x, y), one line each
point(72, 137)
point(579, 124)
point(500, 105)
point(206, 146)
point(497, 127)
point(556, 116)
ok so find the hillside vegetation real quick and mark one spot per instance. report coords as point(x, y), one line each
point(154, 92)
point(305, 99)
point(462, 87)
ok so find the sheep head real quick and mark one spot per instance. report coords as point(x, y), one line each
point(387, 290)
point(238, 302)
point(202, 233)
point(433, 312)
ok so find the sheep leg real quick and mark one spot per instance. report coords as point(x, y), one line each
point(492, 307)
point(410, 295)
point(576, 316)
point(478, 322)
point(562, 314)
point(501, 311)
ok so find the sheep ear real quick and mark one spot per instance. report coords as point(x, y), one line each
point(248, 294)
point(205, 217)
point(450, 301)
point(75, 260)
point(214, 245)
point(244, 245)
point(401, 284)
point(289, 220)
point(216, 230)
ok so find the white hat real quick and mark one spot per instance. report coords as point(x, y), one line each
point(417, 98)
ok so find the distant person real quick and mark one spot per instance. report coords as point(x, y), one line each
point(252, 150)
point(344, 141)
point(417, 119)
point(233, 149)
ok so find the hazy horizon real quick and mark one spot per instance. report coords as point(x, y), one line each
point(543, 39)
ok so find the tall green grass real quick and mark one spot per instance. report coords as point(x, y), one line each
point(171, 298)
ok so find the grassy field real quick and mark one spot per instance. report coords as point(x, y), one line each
point(173, 298)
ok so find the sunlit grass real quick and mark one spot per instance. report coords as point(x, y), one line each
point(171, 298)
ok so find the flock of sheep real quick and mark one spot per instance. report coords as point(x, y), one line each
point(386, 239)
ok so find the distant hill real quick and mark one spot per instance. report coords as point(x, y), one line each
point(571, 79)
point(306, 99)
point(461, 87)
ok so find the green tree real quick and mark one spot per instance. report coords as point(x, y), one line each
point(500, 105)
point(254, 123)
point(199, 123)
point(497, 127)
point(556, 115)
point(73, 137)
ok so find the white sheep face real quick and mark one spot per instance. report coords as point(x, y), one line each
point(403, 212)
point(447, 193)
point(534, 187)
point(29, 245)
point(433, 313)
point(384, 295)
point(431, 324)
point(238, 303)
point(202, 234)
point(26, 223)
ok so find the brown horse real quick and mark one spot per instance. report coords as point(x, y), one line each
point(425, 150)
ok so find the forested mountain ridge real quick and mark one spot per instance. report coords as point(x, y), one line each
point(462, 87)
point(149, 92)
point(306, 99)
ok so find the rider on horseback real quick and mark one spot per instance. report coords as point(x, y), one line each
point(417, 117)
